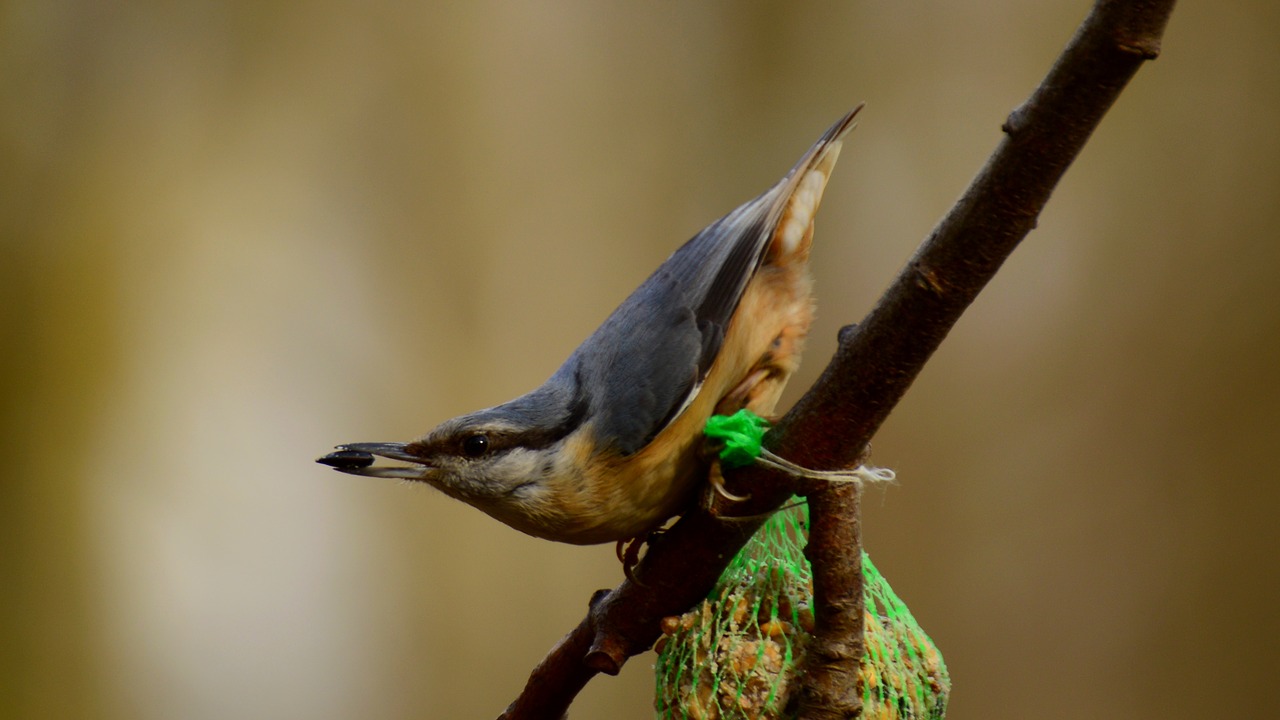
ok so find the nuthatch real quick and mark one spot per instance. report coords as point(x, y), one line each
point(611, 446)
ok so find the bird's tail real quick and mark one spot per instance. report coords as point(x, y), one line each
point(800, 193)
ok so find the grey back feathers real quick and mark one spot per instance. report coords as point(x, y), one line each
point(647, 359)
point(635, 373)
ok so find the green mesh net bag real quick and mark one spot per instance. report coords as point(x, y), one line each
point(735, 655)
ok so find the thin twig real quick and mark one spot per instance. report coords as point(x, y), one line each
point(875, 364)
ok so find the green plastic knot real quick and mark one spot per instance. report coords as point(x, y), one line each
point(741, 433)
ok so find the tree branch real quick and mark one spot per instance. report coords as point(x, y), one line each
point(875, 364)
point(828, 685)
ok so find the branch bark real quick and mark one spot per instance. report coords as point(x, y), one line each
point(829, 676)
point(830, 426)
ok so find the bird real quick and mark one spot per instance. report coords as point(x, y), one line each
point(611, 446)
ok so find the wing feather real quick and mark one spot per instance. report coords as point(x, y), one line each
point(651, 355)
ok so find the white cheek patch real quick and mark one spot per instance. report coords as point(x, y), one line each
point(800, 209)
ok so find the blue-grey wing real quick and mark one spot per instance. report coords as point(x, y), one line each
point(645, 363)
point(641, 365)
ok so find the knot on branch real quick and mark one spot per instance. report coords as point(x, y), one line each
point(834, 654)
point(597, 597)
point(829, 705)
point(606, 656)
point(1016, 121)
point(608, 661)
point(1146, 48)
point(928, 279)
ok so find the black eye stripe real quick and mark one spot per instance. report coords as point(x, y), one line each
point(480, 441)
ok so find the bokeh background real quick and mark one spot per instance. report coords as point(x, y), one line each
point(235, 234)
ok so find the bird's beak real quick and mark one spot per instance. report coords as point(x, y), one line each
point(358, 458)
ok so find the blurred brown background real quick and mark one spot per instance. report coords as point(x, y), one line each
point(235, 234)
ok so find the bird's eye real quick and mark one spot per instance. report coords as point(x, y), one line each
point(475, 445)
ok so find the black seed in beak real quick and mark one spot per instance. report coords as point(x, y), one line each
point(347, 459)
